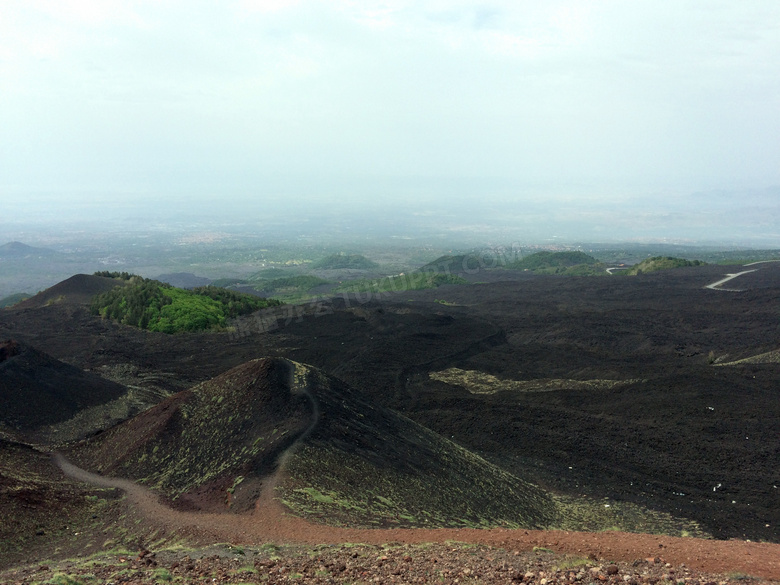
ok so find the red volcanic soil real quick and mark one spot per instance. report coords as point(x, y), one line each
point(268, 522)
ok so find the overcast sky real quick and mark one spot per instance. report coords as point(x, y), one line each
point(636, 100)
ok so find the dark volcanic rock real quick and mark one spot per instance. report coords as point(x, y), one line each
point(8, 349)
point(211, 447)
point(686, 425)
point(37, 390)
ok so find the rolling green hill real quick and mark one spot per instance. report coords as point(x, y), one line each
point(20, 250)
point(570, 263)
point(452, 264)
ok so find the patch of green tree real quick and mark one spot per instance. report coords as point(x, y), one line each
point(301, 283)
point(404, 282)
point(156, 306)
point(554, 262)
point(343, 261)
point(11, 300)
point(661, 263)
point(118, 275)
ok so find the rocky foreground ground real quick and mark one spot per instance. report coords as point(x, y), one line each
point(446, 563)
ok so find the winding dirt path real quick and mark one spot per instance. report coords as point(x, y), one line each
point(269, 523)
point(296, 387)
point(717, 285)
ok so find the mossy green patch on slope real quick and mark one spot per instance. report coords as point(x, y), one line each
point(661, 263)
point(291, 287)
point(769, 357)
point(478, 382)
point(589, 514)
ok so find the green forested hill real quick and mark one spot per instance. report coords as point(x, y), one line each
point(573, 263)
point(156, 306)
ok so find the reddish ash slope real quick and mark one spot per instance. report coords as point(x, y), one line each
point(192, 446)
point(268, 523)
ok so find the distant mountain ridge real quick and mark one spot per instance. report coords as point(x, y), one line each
point(21, 250)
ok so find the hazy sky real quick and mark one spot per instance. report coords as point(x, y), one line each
point(635, 99)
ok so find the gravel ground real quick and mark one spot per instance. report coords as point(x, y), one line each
point(446, 563)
